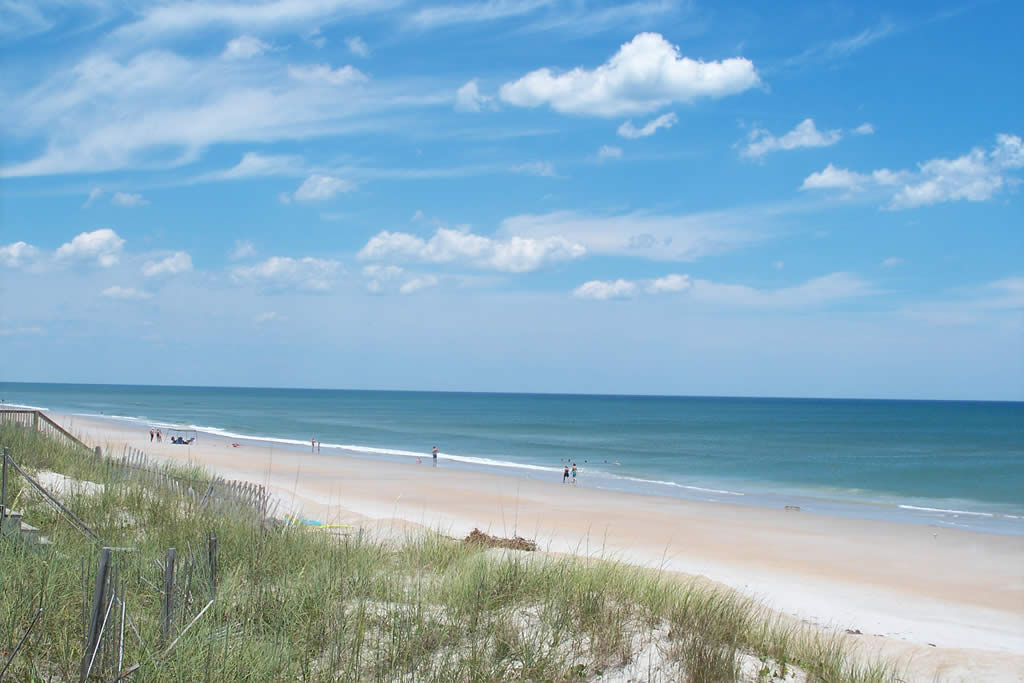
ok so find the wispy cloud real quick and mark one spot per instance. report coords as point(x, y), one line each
point(318, 187)
point(539, 168)
point(582, 19)
point(628, 130)
point(812, 293)
point(685, 237)
point(178, 262)
point(357, 46)
point(285, 272)
point(160, 109)
point(183, 16)
point(119, 292)
point(843, 47)
point(471, 13)
point(128, 200)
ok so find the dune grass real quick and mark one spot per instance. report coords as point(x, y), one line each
point(299, 604)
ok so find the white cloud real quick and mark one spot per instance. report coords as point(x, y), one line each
point(670, 283)
point(17, 254)
point(243, 249)
point(286, 272)
point(609, 152)
point(490, 10)
point(646, 74)
point(94, 194)
point(628, 130)
point(835, 178)
point(178, 262)
point(321, 187)
point(600, 290)
point(418, 283)
point(659, 238)
point(864, 129)
point(244, 47)
point(541, 168)
point(357, 46)
point(119, 292)
point(128, 200)
point(266, 316)
point(892, 262)
point(104, 246)
point(513, 255)
point(469, 98)
point(976, 176)
point(806, 134)
point(321, 73)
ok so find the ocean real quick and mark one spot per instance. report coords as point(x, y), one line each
point(946, 463)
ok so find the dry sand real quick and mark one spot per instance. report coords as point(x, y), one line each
point(948, 603)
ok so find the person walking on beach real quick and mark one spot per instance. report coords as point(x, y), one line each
point(312, 445)
point(574, 474)
point(435, 456)
point(159, 436)
point(565, 474)
point(151, 434)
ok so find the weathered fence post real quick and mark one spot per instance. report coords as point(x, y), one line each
point(96, 617)
point(3, 489)
point(35, 420)
point(168, 609)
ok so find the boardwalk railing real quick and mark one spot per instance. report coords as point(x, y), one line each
point(39, 421)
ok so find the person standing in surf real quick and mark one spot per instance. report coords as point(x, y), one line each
point(435, 456)
point(574, 474)
point(565, 474)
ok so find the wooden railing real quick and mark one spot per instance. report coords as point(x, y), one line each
point(40, 422)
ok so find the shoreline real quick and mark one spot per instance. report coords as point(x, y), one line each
point(921, 591)
point(960, 514)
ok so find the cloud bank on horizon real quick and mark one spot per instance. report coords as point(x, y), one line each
point(529, 195)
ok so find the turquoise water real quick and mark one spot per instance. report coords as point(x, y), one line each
point(948, 463)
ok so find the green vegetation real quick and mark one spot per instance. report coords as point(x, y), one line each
point(297, 604)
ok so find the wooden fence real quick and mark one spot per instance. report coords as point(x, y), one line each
point(134, 466)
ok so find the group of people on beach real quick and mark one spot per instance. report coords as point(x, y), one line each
point(155, 433)
point(566, 473)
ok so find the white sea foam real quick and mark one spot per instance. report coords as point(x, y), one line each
point(20, 406)
point(679, 486)
point(950, 512)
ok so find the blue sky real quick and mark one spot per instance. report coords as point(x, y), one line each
point(817, 199)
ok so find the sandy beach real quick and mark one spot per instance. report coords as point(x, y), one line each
point(947, 603)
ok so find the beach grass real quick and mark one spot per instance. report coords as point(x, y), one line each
point(298, 603)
